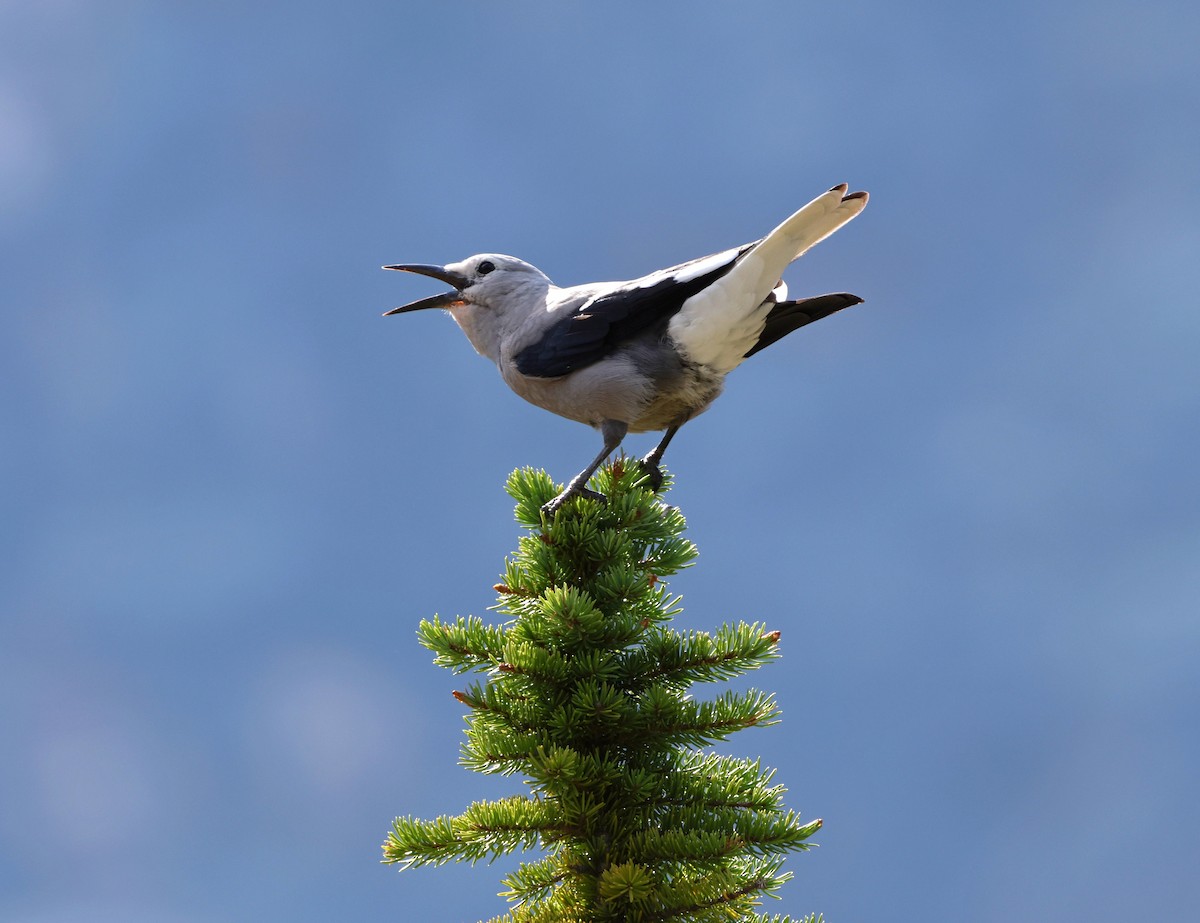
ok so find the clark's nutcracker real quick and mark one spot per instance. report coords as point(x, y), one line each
point(643, 355)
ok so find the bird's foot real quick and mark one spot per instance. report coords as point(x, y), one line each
point(549, 509)
point(654, 475)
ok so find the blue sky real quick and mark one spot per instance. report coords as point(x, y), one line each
point(970, 505)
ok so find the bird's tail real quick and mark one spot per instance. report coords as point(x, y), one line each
point(722, 324)
point(792, 315)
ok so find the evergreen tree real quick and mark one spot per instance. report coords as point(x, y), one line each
point(586, 696)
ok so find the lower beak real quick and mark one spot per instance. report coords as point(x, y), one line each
point(445, 300)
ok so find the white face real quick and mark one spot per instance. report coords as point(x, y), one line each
point(494, 277)
point(501, 293)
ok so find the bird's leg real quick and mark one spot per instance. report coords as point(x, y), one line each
point(613, 432)
point(650, 462)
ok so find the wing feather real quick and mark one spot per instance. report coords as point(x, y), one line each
point(600, 325)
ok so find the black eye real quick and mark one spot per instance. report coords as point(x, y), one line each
point(485, 267)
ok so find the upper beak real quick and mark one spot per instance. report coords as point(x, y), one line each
point(445, 300)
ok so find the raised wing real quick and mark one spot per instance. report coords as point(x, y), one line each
point(598, 326)
point(724, 322)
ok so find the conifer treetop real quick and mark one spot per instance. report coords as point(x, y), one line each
point(585, 692)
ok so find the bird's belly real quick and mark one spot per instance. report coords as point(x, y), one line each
point(623, 388)
point(610, 390)
point(674, 403)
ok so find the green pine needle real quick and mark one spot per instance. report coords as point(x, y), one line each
point(586, 692)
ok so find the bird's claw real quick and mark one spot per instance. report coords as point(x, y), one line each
point(549, 509)
point(654, 475)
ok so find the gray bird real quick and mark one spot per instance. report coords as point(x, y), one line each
point(648, 354)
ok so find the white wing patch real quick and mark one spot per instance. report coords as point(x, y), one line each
point(685, 272)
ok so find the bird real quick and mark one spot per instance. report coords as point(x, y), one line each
point(643, 355)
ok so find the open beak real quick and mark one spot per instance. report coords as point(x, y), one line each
point(445, 300)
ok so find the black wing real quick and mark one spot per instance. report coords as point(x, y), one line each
point(597, 327)
point(792, 315)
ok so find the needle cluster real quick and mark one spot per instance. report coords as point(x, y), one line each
point(585, 692)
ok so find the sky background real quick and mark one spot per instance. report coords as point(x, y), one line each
point(232, 489)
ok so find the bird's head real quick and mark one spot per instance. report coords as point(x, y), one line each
point(486, 280)
point(492, 295)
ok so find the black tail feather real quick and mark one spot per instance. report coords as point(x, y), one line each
point(792, 315)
